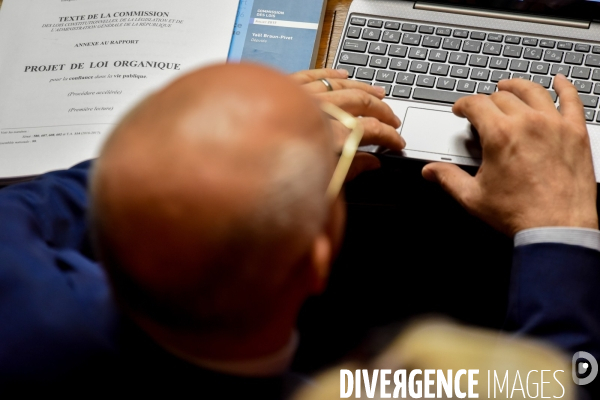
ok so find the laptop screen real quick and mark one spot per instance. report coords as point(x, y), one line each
point(586, 10)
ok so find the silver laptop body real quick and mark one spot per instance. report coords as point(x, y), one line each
point(422, 83)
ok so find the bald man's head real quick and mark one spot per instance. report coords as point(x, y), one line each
point(207, 197)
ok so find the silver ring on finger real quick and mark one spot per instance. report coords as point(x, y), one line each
point(327, 85)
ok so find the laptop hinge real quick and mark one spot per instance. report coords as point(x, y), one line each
point(502, 14)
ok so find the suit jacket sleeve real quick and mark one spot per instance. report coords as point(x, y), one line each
point(555, 295)
point(56, 310)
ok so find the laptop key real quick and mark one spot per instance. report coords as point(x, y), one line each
point(379, 62)
point(385, 76)
point(530, 41)
point(446, 83)
point(459, 72)
point(348, 68)
point(581, 72)
point(574, 58)
point(519, 65)
point(419, 66)
point(458, 58)
point(353, 32)
point(409, 27)
point(460, 33)
point(564, 45)
point(432, 41)
point(439, 69)
point(512, 51)
point(499, 63)
point(451, 44)
point(478, 61)
point(583, 86)
point(539, 68)
point(596, 49)
point(479, 74)
point(478, 35)
point(391, 37)
point(549, 44)
point(377, 48)
point(492, 48)
point(592, 60)
point(596, 75)
point(371, 34)
point(405, 78)
point(401, 91)
point(466, 86)
point(486, 88)
point(392, 25)
point(512, 39)
point(425, 81)
point(532, 53)
point(417, 53)
point(375, 23)
point(582, 47)
point(386, 86)
point(553, 95)
point(438, 55)
point(521, 75)
point(472, 46)
point(589, 115)
point(497, 76)
point(437, 95)
point(426, 29)
point(365, 74)
point(399, 64)
point(355, 45)
point(358, 21)
point(553, 55)
point(354, 59)
point(560, 69)
point(443, 31)
point(411, 38)
point(597, 88)
point(589, 101)
point(545, 81)
point(495, 37)
point(399, 51)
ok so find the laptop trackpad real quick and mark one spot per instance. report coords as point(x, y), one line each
point(439, 132)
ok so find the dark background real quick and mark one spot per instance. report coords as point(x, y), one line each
point(410, 250)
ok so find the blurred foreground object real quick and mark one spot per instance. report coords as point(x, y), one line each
point(514, 366)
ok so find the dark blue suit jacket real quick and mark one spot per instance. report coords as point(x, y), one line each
point(57, 313)
point(56, 310)
point(555, 295)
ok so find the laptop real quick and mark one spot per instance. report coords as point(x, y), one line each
point(429, 54)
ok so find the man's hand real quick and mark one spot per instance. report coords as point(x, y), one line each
point(361, 100)
point(537, 164)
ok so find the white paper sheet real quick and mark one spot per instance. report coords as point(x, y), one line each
point(69, 69)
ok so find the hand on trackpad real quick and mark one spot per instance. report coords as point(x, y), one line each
point(439, 132)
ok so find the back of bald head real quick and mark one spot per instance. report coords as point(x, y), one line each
point(205, 198)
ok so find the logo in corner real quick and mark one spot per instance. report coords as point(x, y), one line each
point(585, 368)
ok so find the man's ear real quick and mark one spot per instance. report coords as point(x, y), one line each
point(326, 245)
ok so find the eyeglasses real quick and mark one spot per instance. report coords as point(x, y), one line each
point(348, 150)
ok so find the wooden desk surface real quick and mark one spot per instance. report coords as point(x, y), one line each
point(333, 25)
point(332, 31)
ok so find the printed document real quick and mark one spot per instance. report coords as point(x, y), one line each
point(70, 69)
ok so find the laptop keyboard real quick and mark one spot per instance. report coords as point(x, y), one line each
point(442, 64)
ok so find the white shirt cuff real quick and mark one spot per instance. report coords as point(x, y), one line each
point(584, 237)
